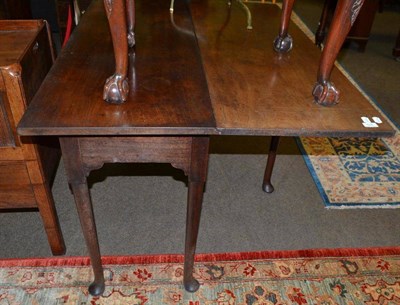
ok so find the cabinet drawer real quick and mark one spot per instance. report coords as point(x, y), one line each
point(15, 186)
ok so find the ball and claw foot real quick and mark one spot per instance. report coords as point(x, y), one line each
point(268, 188)
point(131, 39)
point(116, 89)
point(96, 289)
point(191, 285)
point(283, 44)
point(325, 94)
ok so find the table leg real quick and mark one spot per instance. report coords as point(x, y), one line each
point(86, 217)
point(267, 186)
point(116, 88)
point(77, 179)
point(284, 42)
point(50, 219)
point(130, 10)
point(346, 13)
point(329, 6)
point(197, 178)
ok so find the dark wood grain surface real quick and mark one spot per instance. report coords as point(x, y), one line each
point(168, 87)
point(253, 90)
point(9, 32)
point(256, 91)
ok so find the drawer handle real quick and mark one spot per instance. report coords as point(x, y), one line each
point(35, 47)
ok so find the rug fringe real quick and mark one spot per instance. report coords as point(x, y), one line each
point(205, 257)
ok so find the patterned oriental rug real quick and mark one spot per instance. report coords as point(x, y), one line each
point(355, 172)
point(316, 277)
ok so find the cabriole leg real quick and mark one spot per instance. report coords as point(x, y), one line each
point(197, 178)
point(329, 6)
point(116, 88)
point(86, 217)
point(346, 13)
point(267, 186)
point(284, 42)
point(77, 174)
point(130, 11)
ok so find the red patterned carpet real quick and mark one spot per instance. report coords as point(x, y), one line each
point(318, 277)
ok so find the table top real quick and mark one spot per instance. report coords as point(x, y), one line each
point(168, 93)
point(199, 71)
point(255, 90)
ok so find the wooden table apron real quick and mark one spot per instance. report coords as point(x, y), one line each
point(81, 155)
point(194, 74)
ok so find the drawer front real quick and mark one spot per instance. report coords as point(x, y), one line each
point(36, 64)
point(15, 186)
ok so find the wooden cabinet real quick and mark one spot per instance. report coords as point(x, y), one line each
point(27, 165)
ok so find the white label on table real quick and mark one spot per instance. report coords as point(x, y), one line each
point(368, 124)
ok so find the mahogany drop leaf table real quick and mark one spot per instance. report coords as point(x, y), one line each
point(192, 77)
